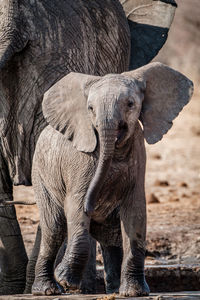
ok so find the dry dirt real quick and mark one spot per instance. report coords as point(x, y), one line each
point(173, 168)
point(172, 183)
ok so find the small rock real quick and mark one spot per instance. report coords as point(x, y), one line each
point(159, 297)
point(152, 199)
point(195, 193)
point(157, 156)
point(183, 184)
point(161, 183)
point(185, 195)
point(195, 131)
point(174, 199)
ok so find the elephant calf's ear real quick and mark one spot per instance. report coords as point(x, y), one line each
point(167, 92)
point(65, 108)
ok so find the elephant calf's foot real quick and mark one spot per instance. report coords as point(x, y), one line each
point(42, 288)
point(136, 288)
point(66, 278)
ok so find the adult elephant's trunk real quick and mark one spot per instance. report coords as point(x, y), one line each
point(107, 135)
point(11, 38)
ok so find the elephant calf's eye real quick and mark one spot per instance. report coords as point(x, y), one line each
point(130, 103)
point(90, 108)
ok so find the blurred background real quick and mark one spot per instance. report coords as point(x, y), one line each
point(182, 49)
point(173, 164)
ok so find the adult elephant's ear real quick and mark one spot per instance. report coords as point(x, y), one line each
point(65, 108)
point(166, 93)
point(149, 22)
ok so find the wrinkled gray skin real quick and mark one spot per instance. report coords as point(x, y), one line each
point(40, 42)
point(88, 172)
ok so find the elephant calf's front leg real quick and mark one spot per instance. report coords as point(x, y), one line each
point(70, 271)
point(133, 224)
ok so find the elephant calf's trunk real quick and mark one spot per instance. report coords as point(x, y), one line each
point(106, 153)
point(96, 185)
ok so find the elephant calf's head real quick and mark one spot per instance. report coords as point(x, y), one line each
point(80, 104)
point(114, 104)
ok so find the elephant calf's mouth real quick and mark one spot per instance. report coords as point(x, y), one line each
point(121, 133)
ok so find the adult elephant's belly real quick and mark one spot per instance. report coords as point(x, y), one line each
point(112, 193)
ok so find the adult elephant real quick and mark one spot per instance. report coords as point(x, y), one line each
point(40, 42)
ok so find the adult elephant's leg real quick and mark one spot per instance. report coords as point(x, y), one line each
point(30, 272)
point(133, 225)
point(69, 272)
point(13, 272)
point(108, 235)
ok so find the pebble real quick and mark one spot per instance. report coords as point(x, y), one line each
point(152, 199)
point(183, 184)
point(174, 199)
point(161, 183)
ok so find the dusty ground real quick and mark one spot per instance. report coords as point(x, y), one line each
point(172, 181)
point(173, 169)
point(163, 296)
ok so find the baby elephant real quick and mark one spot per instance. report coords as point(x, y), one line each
point(89, 169)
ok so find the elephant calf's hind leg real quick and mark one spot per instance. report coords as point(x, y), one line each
point(30, 271)
point(108, 235)
point(133, 283)
point(52, 231)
